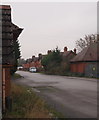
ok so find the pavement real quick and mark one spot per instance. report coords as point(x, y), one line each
point(74, 97)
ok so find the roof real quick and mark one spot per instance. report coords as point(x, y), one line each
point(5, 7)
point(65, 54)
point(16, 30)
point(15, 27)
point(87, 54)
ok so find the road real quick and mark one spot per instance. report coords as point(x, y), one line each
point(73, 97)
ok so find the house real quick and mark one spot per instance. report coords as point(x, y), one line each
point(26, 66)
point(10, 33)
point(36, 61)
point(33, 62)
point(67, 55)
point(36, 64)
point(86, 61)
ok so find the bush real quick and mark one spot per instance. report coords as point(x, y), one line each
point(52, 61)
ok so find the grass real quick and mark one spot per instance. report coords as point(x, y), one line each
point(26, 104)
point(16, 76)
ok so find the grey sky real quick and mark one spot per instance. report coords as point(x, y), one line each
point(47, 25)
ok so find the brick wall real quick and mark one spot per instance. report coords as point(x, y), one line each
point(78, 67)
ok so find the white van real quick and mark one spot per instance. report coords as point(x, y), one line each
point(32, 69)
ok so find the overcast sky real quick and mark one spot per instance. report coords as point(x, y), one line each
point(50, 24)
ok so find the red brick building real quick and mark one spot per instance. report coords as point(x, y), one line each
point(33, 62)
point(36, 61)
point(10, 33)
point(86, 61)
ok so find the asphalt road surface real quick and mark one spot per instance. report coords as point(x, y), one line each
point(73, 97)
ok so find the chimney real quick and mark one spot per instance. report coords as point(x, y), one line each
point(33, 57)
point(40, 56)
point(65, 49)
point(49, 51)
point(75, 50)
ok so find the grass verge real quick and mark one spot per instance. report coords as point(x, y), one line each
point(16, 76)
point(26, 104)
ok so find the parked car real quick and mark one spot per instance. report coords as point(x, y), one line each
point(20, 68)
point(32, 69)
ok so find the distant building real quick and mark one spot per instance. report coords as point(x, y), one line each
point(67, 55)
point(36, 61)
point(21, 61)
point(86, 61)
point(33, 62)
point(26, 66)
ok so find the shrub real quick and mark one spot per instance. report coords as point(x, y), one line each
point(52, 60)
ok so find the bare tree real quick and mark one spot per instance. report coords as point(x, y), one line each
point(87, 40)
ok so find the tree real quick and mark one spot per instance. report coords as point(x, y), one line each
point(87, 40)
point(52, 60)
point(17, 55)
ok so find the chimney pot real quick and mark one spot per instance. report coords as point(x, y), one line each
point(75, 50)
point(49, 51)
point(65, 49)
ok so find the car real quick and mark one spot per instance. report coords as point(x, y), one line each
point(32, 69)
point(20, 68)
